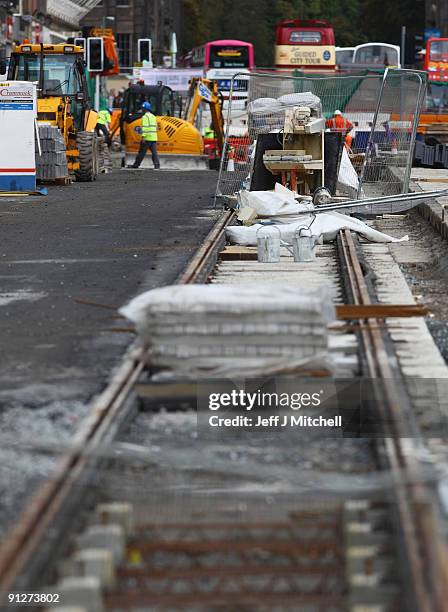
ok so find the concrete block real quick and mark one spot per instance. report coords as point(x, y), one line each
point(106, 537)
point(84, 592)
point(247, 215)
point(116, 513)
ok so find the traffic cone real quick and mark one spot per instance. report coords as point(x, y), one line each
point(230, 160)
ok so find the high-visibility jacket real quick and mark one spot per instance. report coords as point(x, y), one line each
point(104, 117)
point(338, 123)
point(209, 133)
point(149, 127)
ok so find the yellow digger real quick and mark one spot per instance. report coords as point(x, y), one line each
point(180, 144)
point(63, 99)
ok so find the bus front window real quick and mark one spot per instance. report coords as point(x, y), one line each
point(377, 55)
point(438, 51)
point(229, 57)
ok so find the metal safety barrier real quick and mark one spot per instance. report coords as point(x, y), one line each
point(356, 96)
point(365, 100)
point(389, 154)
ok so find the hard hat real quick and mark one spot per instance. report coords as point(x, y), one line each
point(146, 106)
point(337, 112)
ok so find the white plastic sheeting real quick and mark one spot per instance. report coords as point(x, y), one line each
point(221, 330)
point(280, 203)
point(323, 225)
point(347, 177)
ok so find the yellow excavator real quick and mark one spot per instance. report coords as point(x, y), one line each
point(180, 144)
point(63, 99)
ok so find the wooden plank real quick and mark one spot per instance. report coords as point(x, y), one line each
point(269, 152)
point(432, 180)
point(236, 252)
point(316, 164)
point(380, 311)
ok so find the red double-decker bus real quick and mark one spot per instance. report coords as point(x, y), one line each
point(307, 45)
point(436, 60)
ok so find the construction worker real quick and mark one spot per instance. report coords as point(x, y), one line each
point(103, 123)
point(209, 132)
point(149, 137)
point(340, 124)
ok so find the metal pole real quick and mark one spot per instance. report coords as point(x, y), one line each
point(227, 125)
point(97, 92)
point(371, 142)
point(418, 105)
point(403, 46)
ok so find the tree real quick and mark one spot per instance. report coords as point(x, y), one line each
point(385, 25)
point(354, 21)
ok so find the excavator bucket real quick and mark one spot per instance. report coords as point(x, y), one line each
point(180, 145)
point(172, 161)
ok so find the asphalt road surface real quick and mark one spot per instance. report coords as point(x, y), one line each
point(103, 242)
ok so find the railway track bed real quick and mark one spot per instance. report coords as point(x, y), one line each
point(149, 512)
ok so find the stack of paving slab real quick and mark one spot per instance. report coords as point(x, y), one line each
point(51, 164)
point(205, 330)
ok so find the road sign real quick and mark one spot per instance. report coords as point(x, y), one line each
point(18, 112)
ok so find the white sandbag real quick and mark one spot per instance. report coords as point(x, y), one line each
point(305, 98)
point(263, 105)
point(326, 225)
point(268, 203)
point(208, 329)
point(281, 201)
point(228, 299)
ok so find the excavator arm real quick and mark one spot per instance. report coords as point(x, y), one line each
point(205, 90)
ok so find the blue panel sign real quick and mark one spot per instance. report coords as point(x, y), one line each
point(432, 33)
point(19, 106)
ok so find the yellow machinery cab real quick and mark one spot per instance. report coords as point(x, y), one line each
point(63, 98)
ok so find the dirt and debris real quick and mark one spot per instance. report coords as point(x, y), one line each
point(424, 262)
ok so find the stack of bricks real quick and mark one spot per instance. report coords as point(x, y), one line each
point(51, 164)
point(105, 161)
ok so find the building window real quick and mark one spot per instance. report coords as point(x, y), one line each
point(122, 2)
point(124, 50)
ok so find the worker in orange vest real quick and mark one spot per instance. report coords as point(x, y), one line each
point(340, 124)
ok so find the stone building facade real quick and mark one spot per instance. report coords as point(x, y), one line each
point(134, 19)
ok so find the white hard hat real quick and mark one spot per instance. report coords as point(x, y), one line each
point(337, 112)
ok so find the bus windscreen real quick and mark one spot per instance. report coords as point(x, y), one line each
point(438, 51)
point(376, 55)
point(229, 57)
point(344, 56)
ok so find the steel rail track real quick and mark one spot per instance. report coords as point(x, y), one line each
point(425, 553)
point(23, 542)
